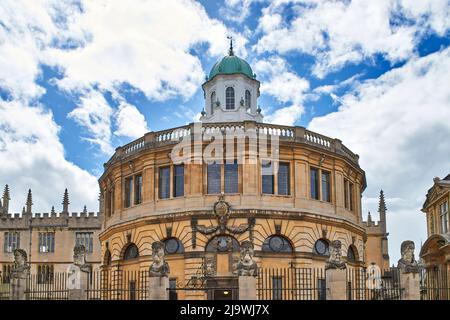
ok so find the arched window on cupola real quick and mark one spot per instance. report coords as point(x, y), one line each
point(230, 99)
point(213, 101)
point(248, 99)
point(278, 244)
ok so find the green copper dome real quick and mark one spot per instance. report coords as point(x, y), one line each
point(231, 65)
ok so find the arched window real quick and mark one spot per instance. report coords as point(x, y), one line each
point(351, 254)
point(229, 98)
point(248, 99)
point(277, 244)
point(222, 244)
point(107, 259)
point(131, 252)
point(173, 245)
point(321, 247)
point(213, 101)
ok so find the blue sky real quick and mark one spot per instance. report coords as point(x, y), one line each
point(79, 78)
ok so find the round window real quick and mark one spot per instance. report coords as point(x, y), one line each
point(276, 244)
point(172, 246)
point(321, 247)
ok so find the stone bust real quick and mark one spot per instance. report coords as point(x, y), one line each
point(21, 269)
point(246, 265)
point(335, 260)
point(407, 263)
point(159, 267)
point(79, 258)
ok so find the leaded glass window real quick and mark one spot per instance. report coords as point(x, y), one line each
point(214, 178)
point(46, 242)
point(267, 177)
point(12, 241)
point(277, 244)
point(229, 98)
point(314, 183)
point(443, 209)
point(321, 247)
point(138, 189)
point(283, 179)
point(128, 191)
point(131, 252)
point(86, 239)
point(178, 181)
point(164, 183)
point(326, 186)
point(231, 177)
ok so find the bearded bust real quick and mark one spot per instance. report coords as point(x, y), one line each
point(246, 265)
point(79, 258)
point(21, 269)
point(335, 260)
point(159, 267)
point(407, 263)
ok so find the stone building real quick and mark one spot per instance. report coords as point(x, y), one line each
point(287, 190)
point(435, 252)
point(48, 238)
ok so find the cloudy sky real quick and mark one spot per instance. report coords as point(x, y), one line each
point(79, 78)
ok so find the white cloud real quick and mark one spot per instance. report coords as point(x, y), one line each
point(399, 126)
point(285, 86)
point(130, 122)
point(31, 156)
point(94, 114)
point(339, 32)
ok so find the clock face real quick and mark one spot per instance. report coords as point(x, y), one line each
point(171, 246)
point(276, 244)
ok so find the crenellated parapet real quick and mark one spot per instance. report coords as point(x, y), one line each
point(73, 220)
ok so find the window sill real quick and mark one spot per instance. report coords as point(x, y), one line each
point(276, 195)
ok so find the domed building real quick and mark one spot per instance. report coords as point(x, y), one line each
point(205, 188)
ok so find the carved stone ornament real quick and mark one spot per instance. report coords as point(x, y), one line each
point(407, 263)
point(246, 265)
point(21, 269)
point(335, 261)
point(159, 267)
point(209, 266)
point(79, 258)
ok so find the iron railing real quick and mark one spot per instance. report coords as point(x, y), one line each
point(435, 283)
point(53, 287)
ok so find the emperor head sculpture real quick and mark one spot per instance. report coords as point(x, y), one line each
point(159, 267)
point(21, 269)
point(79, 258)
point(407, 263)
point(246, 265)
point(335, 260)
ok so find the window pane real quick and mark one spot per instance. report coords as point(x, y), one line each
point(128, 188)
point(178, 181)
point(164, 183)
point(314, 175)
point(229, 98)
point(138, 189)
point(267, 178)
point(214, 180)
point(346, 193)
point(248, 99)
point(283, 179)
point(350, 191)
point(231, 177)
point(326, 186)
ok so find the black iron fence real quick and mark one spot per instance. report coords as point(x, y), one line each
point(118, 285)
point(4, 287)
point(51, 287)
point(435, 283)
point(372, 284)
point(291, 284)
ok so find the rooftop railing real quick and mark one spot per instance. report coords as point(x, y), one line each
point(285, 133)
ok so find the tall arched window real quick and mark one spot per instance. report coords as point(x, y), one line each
point(277, 244)
point(248, 99)
point(131, 252)
point(107, 259)
point(213, 101)
point(229, 97)
point(352, 254)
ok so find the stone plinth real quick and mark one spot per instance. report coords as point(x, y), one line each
point(247, 288)
point(336, 284)
point(77, 281)
point(158, 288)
point(410, 282)
point(17, 289)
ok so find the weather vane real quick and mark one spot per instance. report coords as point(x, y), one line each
point(231, 53)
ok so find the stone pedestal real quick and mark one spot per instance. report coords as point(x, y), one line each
point(410, 282)
point(158, 288)
point(336, 284)
point(247, 288)
point(17, 289)
point(77, 281)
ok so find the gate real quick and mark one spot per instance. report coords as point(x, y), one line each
point(291, 284)
point(434, 284)
point(364, 285)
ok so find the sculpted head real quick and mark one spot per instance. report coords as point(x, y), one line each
point(20, 257)
point(336, 251)
point(247, 252)
point(79, 255)
point(158, 251)
point(407, 250)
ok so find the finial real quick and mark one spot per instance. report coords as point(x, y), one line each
point(382, 204)
point(6, 193)
point(203, 112)
point(369, 218)
point(231, 52)
point(53, 211)
point(85, 210)
point(66, 202)
point(29, 201)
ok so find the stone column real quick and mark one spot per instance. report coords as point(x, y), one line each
point(410, 283)
point(336, 284)
point(158, 288)
point(247, 288)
